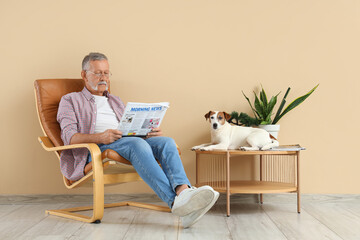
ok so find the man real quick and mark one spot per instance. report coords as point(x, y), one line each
point(93, 115)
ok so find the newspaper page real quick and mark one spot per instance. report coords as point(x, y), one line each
point(139, 118)
point(295, 147)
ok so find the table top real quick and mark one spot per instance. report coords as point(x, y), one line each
point(281, 150)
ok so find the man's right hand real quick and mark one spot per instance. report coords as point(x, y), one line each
point(107, 137)
point(110, 136)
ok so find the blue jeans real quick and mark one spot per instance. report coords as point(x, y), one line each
point(142, 153)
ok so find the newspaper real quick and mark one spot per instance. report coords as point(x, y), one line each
point(139, 118)
point(295, 147)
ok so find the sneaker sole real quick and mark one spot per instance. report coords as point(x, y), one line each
point(202, 212)
point(196, 202)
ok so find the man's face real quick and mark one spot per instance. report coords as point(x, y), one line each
point(97, 77)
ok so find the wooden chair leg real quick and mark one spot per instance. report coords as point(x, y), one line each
point(98, 197)
point(98, 212)
point(98, 194)
point(71, 212)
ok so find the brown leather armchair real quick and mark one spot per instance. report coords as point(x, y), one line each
point(107, 167)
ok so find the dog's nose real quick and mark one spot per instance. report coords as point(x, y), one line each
point(215, 125)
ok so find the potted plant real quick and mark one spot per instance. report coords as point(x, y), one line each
point(263, 111)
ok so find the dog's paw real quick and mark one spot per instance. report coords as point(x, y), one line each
point(205, 149)
point(249, 148)
point(195, 148)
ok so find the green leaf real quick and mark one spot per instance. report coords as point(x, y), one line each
point(263, 97)
point(296, 102)
point(254, 111)
point(265, 123)
point(259, 107)
point(268, 119)
point(276, 118)
point(234, 115)
point(271, 105)
point(247, 120)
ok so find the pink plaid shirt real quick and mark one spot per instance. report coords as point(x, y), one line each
point(77, 114)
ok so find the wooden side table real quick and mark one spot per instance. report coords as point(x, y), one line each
point(279, 173)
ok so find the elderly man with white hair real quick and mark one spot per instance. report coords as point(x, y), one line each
point(93, 115)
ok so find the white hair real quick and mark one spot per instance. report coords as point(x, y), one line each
point(93, 56)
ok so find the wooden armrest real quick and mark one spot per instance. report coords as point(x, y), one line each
point(93, 148)
point(49, 146)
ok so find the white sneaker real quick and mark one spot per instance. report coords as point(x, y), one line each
point(193, 217)
point(192, 199)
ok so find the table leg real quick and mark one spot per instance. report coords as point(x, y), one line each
point(197, 168)
point(261, 167)
point(298, 180)
point(228, 183)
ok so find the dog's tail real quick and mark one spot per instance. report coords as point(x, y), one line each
point(274, 143)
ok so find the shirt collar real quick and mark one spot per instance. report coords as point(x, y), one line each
point(89, 96)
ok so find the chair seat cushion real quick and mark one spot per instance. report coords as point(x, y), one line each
point(108, 155)
point(113, 155)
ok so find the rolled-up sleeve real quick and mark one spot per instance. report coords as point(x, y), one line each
point(67, 119)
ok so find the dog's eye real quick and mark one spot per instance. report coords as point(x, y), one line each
point(212, 117)
point(220, 118)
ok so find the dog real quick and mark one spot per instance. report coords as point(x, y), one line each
point(225, 136)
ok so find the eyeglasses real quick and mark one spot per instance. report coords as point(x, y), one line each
point(99, 75)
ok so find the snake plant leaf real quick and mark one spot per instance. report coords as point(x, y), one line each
point(259, 106)
point(272, 104)
point(269, 110)
point(268, 119)
point(296, 102)
point(254, 111)
point(276, 118)
point(263, 98)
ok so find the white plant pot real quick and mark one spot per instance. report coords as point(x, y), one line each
point(273, 129)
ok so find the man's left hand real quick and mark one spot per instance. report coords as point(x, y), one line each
point(155, 132)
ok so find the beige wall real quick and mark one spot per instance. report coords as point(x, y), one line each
point(198, 55)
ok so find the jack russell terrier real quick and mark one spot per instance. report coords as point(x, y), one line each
point(226, 136)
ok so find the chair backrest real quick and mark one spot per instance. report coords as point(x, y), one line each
point(48, 93)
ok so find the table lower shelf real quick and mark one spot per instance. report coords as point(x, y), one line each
point(251, 187)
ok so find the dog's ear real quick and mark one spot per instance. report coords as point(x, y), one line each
point(227, 116)
point(207, 116)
